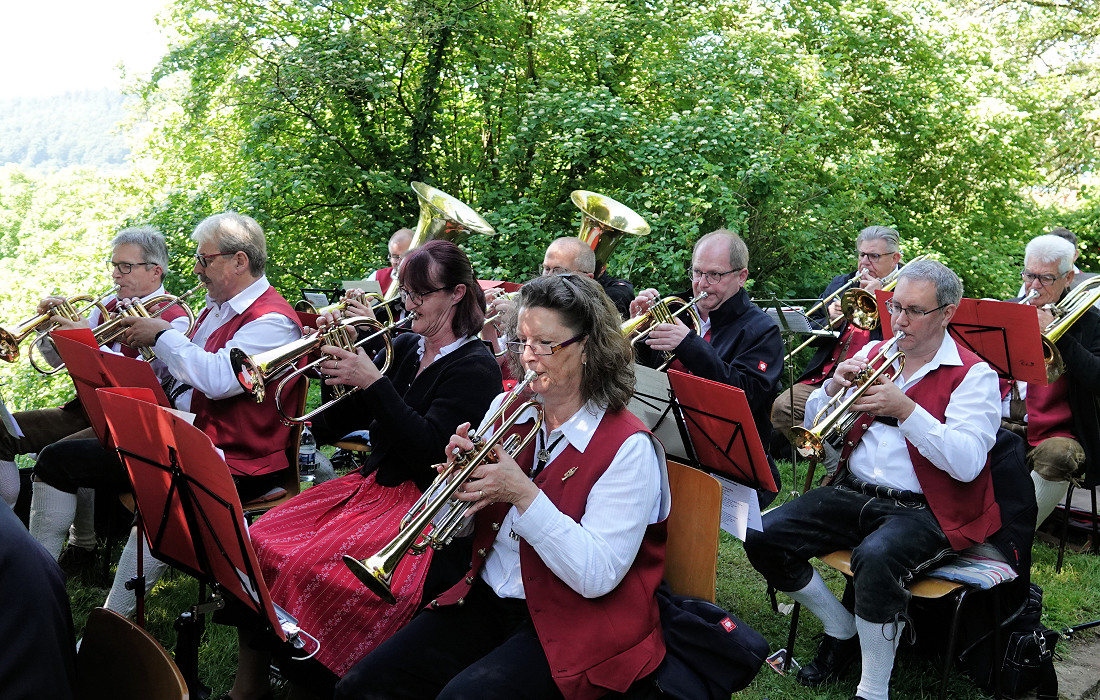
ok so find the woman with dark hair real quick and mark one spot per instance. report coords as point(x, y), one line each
point(440, 376)
point(568, 537)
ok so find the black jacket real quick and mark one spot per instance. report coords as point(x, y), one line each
point(619, 291)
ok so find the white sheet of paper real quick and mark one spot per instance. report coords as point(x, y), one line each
point(652, 387)
point(740, 508)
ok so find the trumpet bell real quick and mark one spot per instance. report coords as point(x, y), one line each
point(605, 223)
point(375, 576)
point(808, 444)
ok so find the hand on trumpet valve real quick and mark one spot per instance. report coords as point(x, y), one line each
point(846, 372)
point(667, 336)
point(356, 305)
point(342, 366)
point(142, 332)
point(642, 303)
point(47, 304)
point(885, 398)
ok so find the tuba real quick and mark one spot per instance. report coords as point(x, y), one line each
point(40, 324)
point(255, 372)
point(662, 311)
point(836, 417)
point(437, 516)
point(604, 223)
point(1066, 312)
point(442, 217)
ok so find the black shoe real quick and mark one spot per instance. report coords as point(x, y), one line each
point(834, 657)
point(77, 562)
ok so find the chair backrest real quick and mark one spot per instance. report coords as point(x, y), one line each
point(691, 554)
point(120, 661)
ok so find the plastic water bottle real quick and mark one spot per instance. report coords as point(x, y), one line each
point(307, 454)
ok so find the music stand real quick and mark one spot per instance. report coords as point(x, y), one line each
point(721, 430)
point(1003, 333)
point(192, 515)
point(653, 404)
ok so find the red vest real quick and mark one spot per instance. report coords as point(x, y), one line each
point(384, 277)
point(1048, 413)
point(593, 645)
point(966, 511)
point(252, 435)
point(848, 344)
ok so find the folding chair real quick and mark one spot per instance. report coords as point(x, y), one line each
point(691, 551)
point(120, 661)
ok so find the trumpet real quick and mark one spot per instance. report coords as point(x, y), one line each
point(372, 299)
point(836, 417)
point(254, 372)
point(41, 324)
point(1066, 313)
point(662, 311)
point(494, 317)
point(428, 524)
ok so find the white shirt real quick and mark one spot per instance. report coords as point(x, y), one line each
point(46, 348)
point(591, 556)
point(211, 372)
point(959, 446)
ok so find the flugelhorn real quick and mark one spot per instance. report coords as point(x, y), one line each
point(255, 372)
point(604, 223)
point(665, 310)
point(40, 324)
point(372, 299)
point(837, 417)
point(442, 217)
point(427, 524)
point(1066, 313)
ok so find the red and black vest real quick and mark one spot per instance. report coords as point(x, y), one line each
point(966, 511)
point(252, 435)
point(594, 645)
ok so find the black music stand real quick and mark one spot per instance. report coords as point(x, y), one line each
point(653, 403)
point(192, 515)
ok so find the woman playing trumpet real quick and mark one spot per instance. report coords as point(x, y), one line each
point(568, 537)
point(440, 376)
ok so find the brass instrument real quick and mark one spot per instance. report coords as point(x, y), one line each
point(254, 372)
point(510, 296)
point(111, 331)
point(1066, 313)
point(40, 324)
point(605, 223)
point(427, 524)
point(664, 310)
point(836, 417)
point(442, 217)
point(372, 299)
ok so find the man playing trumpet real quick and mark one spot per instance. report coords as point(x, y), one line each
point(1059, 421)
point(877, 254)
point(913, 484)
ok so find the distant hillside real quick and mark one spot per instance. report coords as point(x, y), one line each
point(77, 128)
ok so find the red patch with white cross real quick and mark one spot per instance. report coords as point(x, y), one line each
point(763, 366)
point(727, 625)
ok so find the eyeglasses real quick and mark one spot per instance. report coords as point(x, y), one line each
point(711, 277)
point(395, 260)
point(894, 308)
point(126, 268)
point(517, 347)
point(205, 258)
point(416, 298)
point(547, 271)
point(871, 257)
point(1044, 280)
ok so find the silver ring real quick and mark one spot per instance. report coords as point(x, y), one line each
point(336, 365)
point(480, 495)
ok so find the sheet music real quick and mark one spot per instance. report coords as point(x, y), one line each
point(316, 298)
point(367, 286)
point(740, 508)
point(10, 424)
point(794, 319)
point(650, 404)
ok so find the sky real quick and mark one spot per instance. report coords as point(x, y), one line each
point(49, 47)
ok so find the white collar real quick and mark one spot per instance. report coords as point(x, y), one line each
point(443, 351)
point(244, 299)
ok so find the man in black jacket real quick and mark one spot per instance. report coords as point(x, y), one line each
point(878, 254)
point(1059, 421)
point(738, 344)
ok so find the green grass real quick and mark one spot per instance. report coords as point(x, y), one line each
point(1070, 597)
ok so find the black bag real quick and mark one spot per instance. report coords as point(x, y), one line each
point(1028, 661)
point(710, 654)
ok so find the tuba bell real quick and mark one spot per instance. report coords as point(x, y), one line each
point(442, 217)
point(604, 223)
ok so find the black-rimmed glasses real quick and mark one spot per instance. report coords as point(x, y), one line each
point(1044, 280)
point(517, 347)
point(126, 268)
point(711, 277)
point(416, 298)
point(205, 258)
point(895, 308)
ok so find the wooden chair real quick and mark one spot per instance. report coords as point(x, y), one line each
point(691, 553)
point(290, 478)
point(120, 661)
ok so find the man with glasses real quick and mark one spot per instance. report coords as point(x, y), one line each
point(878, 254)
point(1059, 421)
point(138, 263)
point(913, 485)
point(738, 344)
point(397, 248)
point(242, 311)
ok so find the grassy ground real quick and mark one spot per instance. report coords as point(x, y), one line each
point(1070, 597)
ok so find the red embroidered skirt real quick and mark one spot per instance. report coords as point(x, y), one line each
point(300, 545)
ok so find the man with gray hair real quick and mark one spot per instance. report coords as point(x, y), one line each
point(242, 311)
point(138, 264)
point(878, 254)
point(1059, 421)
point(912, 488)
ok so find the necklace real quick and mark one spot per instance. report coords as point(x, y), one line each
point(544, 454)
